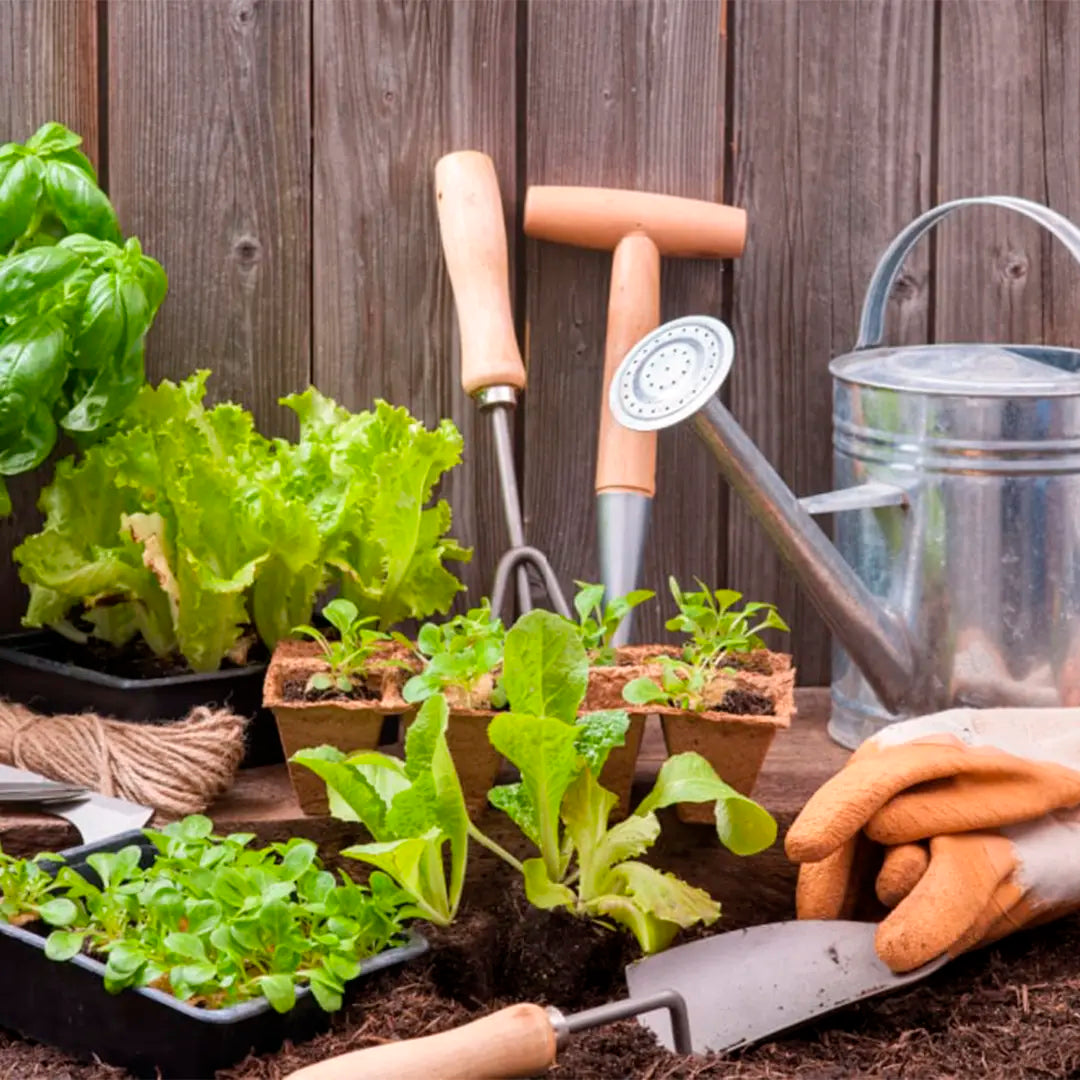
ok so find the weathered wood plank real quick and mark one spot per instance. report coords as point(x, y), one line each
point(210, 166)
point(396, 86)
point(1010, 110)
point(633, 97)
point(831, 139)
point(48, 71)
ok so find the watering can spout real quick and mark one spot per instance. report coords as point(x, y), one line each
point(673, 374)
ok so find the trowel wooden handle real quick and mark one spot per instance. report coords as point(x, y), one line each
point(518, 1041)
point(474, 245)
point(625, 459)
point(600, 217)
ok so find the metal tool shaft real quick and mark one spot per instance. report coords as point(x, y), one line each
point(499, 412)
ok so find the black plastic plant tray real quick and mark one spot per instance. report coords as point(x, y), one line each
point(32, 673)
point(150, 1033)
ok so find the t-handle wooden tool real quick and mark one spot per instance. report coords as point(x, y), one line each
point(474, 246)
point(638, 227)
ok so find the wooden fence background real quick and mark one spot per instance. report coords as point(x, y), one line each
point(276, 156)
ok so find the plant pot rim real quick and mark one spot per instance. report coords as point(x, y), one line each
point(292, 658)
point(15, 649)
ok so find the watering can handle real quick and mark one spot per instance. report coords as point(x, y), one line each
point(872, 322)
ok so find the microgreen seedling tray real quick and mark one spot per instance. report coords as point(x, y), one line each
point(150, 1033)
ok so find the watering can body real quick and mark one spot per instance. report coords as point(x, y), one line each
point(953, 574)
point(977, 556)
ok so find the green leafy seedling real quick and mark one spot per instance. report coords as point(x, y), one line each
point(214, 921)
point(582, 864)
point(718, 632)
point(350, 654)
point(599, 622)
point(459, 654)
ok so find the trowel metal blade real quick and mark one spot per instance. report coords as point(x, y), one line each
point(97, 817)
point(745, 985)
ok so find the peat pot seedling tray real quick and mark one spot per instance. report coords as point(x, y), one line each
point(65, 1004)
point(36, 670)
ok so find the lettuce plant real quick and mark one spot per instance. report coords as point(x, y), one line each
point(76, 302)
point(351, 653)
point(717, 631)
point(460, 654)
point(599, 621)
point(214, 921)
point(583, 864)
point(202, 535)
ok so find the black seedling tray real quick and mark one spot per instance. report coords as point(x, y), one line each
point(65, 1004)
point(32, 673)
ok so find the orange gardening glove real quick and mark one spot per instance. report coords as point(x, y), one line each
point(964, 890)
point(953, 772)
point(950, 772)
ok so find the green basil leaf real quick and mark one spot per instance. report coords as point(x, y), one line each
point(21, 187)
point(73, 156)
point(79, 203)
point(25, 277)
point(101, 325)
point(52, 138)
point(33, 444)
point(114, 387)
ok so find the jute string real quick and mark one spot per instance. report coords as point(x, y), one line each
point(178, 768)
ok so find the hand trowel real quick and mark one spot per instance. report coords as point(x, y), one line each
point(97, 817)
point(714, 995)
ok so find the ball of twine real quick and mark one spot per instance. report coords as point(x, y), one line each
point(177, 768)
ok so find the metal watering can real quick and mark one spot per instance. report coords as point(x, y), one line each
point(955, 574)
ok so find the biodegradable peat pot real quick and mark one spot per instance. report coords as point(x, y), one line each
point(606, 682)
point(735, 744)
point(476, 760)
point(147, 1031)
point(347, 723)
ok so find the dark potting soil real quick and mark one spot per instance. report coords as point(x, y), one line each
point(296, 690)
point(1009, 1011)
point(746, 703)
point(134, 661)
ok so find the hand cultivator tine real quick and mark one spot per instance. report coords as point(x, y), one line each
point(516, 557)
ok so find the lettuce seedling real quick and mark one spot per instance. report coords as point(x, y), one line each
point(413, 809)
point(460, 654)
point(599, 621)
point(583, 864)
point(25, 885)
point(717, 633)
point(349, 655)
point(215, 922)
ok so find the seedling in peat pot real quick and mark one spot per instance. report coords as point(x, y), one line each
point(599, 622)
point(348, 656)
point(717, 634)
point(460, 654)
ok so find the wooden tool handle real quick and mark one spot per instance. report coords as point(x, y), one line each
point(625, 459)
point(474, 245)
point(601, 217)
point(514, 1042)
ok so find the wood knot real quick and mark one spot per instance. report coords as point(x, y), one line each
point(244, 11)
point(906, 287)
point(247, 250)
point(1014, 265)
